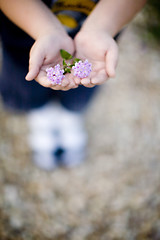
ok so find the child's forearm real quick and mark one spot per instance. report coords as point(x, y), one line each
point(112, 15)
point(33, 16)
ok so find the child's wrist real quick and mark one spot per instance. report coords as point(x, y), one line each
point(108, 27)
point(106, 31)
point(51, 31)
point(87, 35)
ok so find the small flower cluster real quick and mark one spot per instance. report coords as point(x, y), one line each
point(80, 69)
point(55, 74)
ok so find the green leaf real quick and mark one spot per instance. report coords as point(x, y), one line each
point(64, 63)
point(67, 70)
point(65, 55)
point(76, 60)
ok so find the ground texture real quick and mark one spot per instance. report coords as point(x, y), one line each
point(115, 194)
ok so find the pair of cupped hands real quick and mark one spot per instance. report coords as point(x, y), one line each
point(99, 48)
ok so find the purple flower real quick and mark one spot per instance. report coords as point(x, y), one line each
point(82, 69)
point(55, 74)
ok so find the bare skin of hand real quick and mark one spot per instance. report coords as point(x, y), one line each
point(101, 50)
point(46, 53)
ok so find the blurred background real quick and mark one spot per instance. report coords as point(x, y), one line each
point(115, 194)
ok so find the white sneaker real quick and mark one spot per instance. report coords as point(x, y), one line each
point(73, 138)
point(44, 160)
point(43, 137)
point(73, 157)
point(56, 136)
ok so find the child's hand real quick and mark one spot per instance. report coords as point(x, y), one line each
point(101, 50)
point(46, 53)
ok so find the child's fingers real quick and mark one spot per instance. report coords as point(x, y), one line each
point(65, 83)
point(42, 80)
point(77, 80)
point(89, 85)
point(69, 87)
point(99, 78)
point(111, 60)
point(85, 81)
point(35, 62)
point(72, 83)
point(34, 69)
point(62, 86)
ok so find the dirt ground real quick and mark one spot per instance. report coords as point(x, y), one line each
point(115, 194)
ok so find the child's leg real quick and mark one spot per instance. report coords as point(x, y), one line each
point(19, 95)
point(30, 98)
point(73, 135)
point(16, 92)
point(43, 135)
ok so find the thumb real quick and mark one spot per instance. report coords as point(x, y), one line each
point(35, 63)
point(111, 60)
